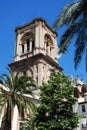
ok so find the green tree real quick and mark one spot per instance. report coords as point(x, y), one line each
point(13, 94)
point(55, 111)
point(74, 16)
point(28, 124)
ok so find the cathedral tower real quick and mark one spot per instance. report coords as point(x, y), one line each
point(35, 51)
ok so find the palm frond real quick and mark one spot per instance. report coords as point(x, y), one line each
point(6, 81)
point(80, 46)
point(24, 84)
point(68, 15)
point(74, 16)
point(72, 31)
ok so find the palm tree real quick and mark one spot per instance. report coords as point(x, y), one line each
point(74, 16)
point(13, 94)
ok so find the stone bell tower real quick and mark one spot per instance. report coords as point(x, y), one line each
point(35, 51)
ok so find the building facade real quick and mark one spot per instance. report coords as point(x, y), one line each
point(80, 92)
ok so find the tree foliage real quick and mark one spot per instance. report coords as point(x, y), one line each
point(28, 123)
point(55, 111)
point(74, 16)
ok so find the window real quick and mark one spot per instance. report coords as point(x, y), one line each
point(43, 78)
point(84, 122)
point(83, 108)
point(33, 45)
point(47, 47)
point(24, 73)
point(28, 47)
point(22, 48)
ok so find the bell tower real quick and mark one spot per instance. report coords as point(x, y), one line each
point(35, 51)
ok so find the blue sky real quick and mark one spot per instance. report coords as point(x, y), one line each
point(15, 13)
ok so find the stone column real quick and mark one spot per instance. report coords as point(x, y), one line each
point(30, 46)
point(25, 47)
point(45, 46)
point(48, 50)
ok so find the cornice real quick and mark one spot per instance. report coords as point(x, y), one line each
point(32, 59)
point(34, 23)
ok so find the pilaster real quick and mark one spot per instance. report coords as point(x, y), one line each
point(34, 72)
point(39, 74)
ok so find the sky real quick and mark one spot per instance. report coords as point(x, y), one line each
point(15, 13)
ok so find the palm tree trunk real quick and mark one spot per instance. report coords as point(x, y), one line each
point(6, 120)
point(15, 119)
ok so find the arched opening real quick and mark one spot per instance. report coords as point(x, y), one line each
point(27, 42)
point(48, 43)
point(29, 72)
point(76, 92)
point(83, 89)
